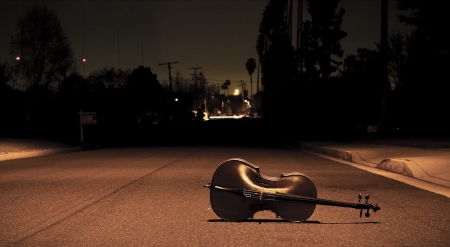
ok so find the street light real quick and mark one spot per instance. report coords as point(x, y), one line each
point(17, 58)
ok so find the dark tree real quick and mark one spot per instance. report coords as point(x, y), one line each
point(428, 46)
point(75, 93)
point(41, 50)
point(363, 68)
point(278, 65)
point(41, 56)
point(225, 86)
point(321, 39)
point(250, 65)
point(360, 88)
point(425, 74)
point(430, 21)
point(11, 100)
point(108, 78)
point(4, 78)
point(144, 94)
point(108, 95)
point(397, 59)
point(318, 89)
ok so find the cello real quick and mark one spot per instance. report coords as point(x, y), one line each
point(238, 191)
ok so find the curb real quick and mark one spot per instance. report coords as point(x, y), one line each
point(411, 169)
point(337, 153)
point(404, 167)
point(36, 153)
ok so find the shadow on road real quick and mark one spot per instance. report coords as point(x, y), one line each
point(290, 222)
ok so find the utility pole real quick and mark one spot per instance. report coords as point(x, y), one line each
point(82, 36)
point(118, 48)
point(382, 117)
point(243, 88)
point(204, 91)
point(195, 78)
point(243, 85)
point(289, 18)
point(170, 75)
point(299, 35)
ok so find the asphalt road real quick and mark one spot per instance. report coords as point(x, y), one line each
point(153, 196)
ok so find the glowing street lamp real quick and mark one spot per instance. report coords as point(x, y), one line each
point(17, 58)
point(248, 105)
point(236, 92)
point(84, 60)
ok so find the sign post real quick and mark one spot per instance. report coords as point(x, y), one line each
point(86, 118)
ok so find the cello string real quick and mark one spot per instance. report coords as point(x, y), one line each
point(280, 197)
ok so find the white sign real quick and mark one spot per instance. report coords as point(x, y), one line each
point(89, 118)
point(86, 118)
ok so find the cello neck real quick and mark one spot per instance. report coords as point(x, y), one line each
point(305, 199)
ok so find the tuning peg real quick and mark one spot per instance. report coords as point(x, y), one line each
point(367, 201)
point(359, 201)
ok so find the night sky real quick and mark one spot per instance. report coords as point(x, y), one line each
point(218, 36)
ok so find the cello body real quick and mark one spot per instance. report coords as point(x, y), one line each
point(238, 174)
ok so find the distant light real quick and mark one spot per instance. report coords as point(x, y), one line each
point(226, 117)
point(236, 92)
point(84, 60)
point(176, 99)
point(17, 58)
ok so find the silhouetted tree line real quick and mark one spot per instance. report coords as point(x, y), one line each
point(41, 92)
point(121, 99)
point(321, 92)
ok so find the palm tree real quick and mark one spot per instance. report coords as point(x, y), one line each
point(225, 86)
point(251, 65)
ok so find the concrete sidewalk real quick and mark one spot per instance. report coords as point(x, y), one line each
point(16, 148)
point(427, 160)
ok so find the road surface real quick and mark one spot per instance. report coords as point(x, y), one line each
point(154, 196)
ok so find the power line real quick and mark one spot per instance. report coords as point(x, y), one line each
point(225, 80)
